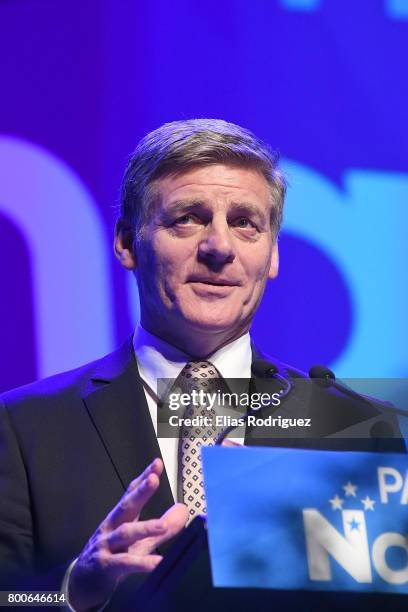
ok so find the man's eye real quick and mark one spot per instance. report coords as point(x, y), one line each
point(243, 223)
point(185, 220)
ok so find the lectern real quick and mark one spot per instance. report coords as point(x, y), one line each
point(183, 582)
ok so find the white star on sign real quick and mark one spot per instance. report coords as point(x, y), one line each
point(368, 503)
point(336, 503)
point(354, 525)
point(350, 489)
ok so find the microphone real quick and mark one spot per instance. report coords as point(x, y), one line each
point(265, 369)
point(324, 377)
point(261, 369)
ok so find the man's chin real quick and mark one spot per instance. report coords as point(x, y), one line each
point(212, 324)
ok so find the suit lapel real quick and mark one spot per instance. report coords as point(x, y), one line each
point(117, 405)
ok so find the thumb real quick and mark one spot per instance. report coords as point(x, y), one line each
point(175, 518)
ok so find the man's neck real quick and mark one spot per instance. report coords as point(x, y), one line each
point(199, 344)
point(158, 359)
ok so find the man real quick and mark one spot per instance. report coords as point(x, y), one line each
point(201, 209)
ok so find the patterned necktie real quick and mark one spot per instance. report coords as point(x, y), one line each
point(196, 375)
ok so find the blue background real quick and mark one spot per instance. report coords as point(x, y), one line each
point(323, 82)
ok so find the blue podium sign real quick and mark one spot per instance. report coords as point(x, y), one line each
point(303, 519)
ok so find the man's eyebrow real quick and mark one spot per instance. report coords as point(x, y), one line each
point(185, 204)
point(248, 208)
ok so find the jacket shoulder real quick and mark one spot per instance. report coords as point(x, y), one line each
point(73, 383)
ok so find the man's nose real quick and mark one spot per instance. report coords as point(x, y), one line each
point(216, 247)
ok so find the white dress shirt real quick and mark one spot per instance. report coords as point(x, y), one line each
point(156, 358)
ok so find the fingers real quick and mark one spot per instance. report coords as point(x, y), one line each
point(155, 467)
point(175, 520)
point(137, 495)
point(128, 533)
point(141, 538)
point(175, 517)
point(124, 564)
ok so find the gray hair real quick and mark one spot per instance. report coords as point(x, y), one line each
point(179, 146)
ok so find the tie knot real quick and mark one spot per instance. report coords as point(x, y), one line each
point(195, 371)
point(199, 375)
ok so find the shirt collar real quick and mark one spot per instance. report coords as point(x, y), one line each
point(156, 358)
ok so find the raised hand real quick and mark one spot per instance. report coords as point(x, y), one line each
point(122, 544)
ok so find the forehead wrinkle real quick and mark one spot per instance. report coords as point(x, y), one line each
point(223, 175)
point(249, 197)
point(202, 194)
point(209, 184)
point(243, 205)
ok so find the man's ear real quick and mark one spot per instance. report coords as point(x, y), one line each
point(123, 245)
point(274, 266)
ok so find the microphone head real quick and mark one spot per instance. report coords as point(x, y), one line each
point(263, 368)
point(322, 375)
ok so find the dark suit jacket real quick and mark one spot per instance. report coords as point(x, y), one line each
point(70, 445)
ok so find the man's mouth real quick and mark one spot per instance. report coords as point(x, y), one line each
point(216, 282)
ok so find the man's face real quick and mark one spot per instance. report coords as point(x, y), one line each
point(206, 253)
